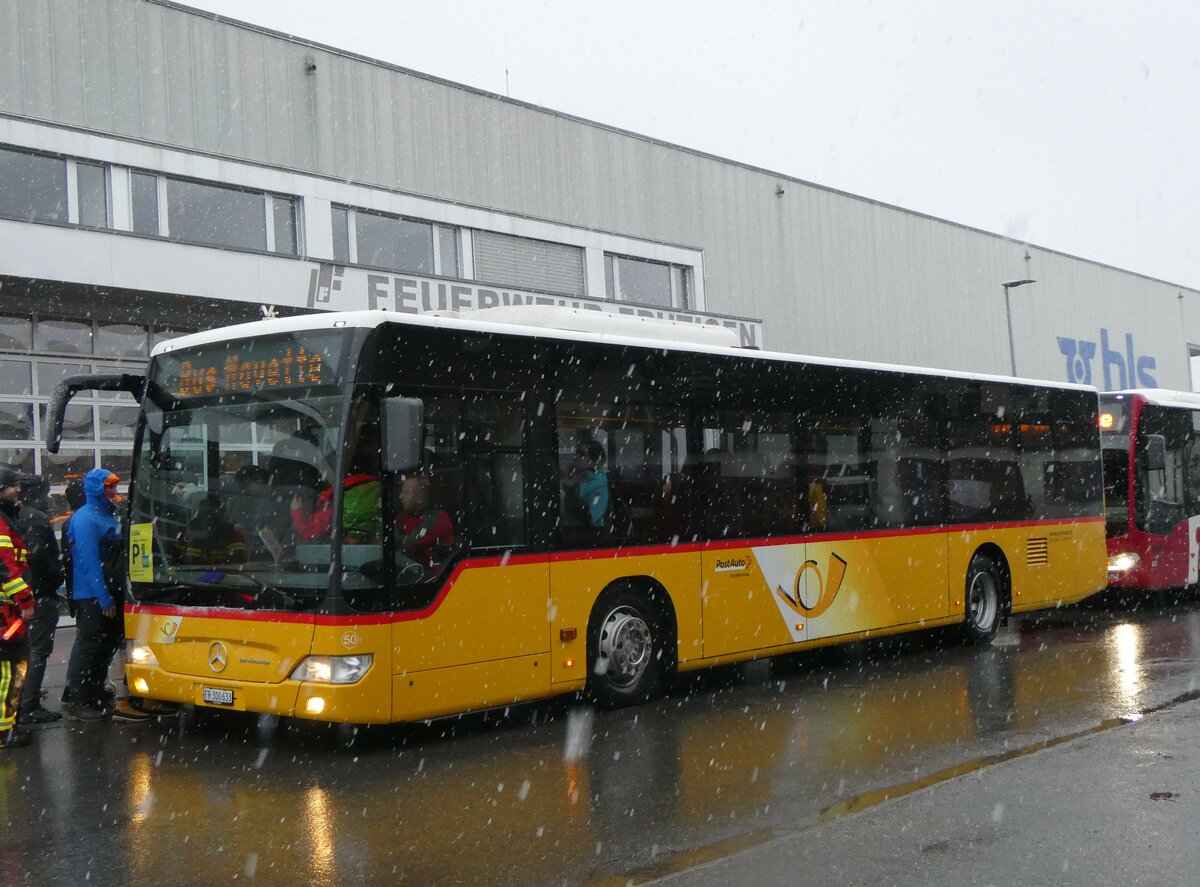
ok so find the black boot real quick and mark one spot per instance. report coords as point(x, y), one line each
point(15, 738)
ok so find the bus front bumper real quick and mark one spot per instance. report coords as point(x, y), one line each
point(293, 699)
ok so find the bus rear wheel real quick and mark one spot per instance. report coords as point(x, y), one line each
point(984, 600)
point(625, 648)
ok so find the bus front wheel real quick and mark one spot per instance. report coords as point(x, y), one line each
point(625, 648)
point(984, 600)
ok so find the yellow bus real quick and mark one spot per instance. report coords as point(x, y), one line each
point(371, 517)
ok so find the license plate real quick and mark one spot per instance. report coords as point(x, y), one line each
point(217, 696)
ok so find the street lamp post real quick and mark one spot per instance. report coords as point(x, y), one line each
point(1012, 354)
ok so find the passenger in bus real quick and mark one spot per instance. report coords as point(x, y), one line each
point(259, 513)
point(210, 537)
point(361, 498)
point(426, 532)
point(585, 491)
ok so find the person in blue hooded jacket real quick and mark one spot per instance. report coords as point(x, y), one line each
point(91, 534)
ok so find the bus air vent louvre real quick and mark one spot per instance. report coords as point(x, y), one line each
point(1037, 551)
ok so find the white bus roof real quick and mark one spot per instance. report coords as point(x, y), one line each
point(1162, 397)
point(540, 324)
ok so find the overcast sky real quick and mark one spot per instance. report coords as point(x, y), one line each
point(1072, 124)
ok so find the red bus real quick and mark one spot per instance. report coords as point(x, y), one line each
point(1151, 444)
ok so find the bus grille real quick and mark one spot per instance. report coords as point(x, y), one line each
point(1037, 551)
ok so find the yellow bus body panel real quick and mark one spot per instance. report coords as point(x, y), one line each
point(1050, 564)
point(778, 596)
point(502, 632)
point(484, 642)
point(577, 582)
point(485, 613)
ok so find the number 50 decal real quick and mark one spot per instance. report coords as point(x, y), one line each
point(827, 587)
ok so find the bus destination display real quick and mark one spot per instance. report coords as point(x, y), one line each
point(255, 366)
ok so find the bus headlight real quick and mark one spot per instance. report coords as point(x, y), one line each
point(1123, 562)
point(332, 669)
point(137, 653)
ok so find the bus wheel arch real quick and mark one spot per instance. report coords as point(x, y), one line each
point(987, 592)
point(631, 642)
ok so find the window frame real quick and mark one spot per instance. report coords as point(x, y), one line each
point(681, 280)
point(268, 198)
point(437, 230)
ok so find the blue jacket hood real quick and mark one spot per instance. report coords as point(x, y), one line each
point(91, 533)
point(93, 488)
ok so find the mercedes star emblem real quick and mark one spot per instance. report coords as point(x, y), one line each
point(218, 657)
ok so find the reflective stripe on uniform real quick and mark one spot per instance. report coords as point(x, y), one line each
point(6, 676)
point(14, 585)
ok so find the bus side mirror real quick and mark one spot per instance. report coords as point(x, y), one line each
point(403, 422)
point(68, 388)
point(1155, 452)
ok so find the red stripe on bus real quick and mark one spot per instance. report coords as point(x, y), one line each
point(566, 557)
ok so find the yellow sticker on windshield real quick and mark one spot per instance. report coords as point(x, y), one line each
point(141, 552)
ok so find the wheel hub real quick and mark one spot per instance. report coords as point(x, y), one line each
point(983, 600)
point(625, 646)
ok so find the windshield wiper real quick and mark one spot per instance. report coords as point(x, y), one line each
point(157, 592)
point(278, 597)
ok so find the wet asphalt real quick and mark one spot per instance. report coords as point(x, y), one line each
point(1117, 805)
point(1061, 754)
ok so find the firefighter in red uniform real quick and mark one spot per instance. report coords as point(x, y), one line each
point(16, 609)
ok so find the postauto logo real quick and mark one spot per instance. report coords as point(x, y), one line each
point(1121, 369)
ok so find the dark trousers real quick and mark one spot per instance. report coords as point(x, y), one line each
point(96, 641)
point(41, 644)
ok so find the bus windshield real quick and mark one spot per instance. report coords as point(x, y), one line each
point(217, 484)
point(219, 475)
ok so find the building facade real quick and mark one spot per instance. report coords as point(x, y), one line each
point(164, 170)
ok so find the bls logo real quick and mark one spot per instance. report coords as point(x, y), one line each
point(1121, 369)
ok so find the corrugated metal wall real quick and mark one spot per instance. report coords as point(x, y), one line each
point(829, 273)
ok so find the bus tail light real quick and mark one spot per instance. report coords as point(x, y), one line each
point(333, 669)
point(1123, 562)
point(138, 653)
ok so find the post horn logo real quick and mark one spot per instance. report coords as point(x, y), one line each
point(827, 587)
point(218, 657)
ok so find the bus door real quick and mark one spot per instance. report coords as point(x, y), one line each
point(1168, 470)
point(485, 623)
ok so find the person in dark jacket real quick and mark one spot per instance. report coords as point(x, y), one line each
point(45, 576)
point(16, 609)
point(92, 533)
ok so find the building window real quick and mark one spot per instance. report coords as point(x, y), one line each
point(32, 187)
point(143, 198)
point(283, 217)
point(647, 282)
point(505, 260)
point(92, 194)
point(16, 333)
point(40, 188)
point(341, 234)
point(208, 214)
point(215, 215)
point(35, 355)
point(396, 243)
point(62, 337)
